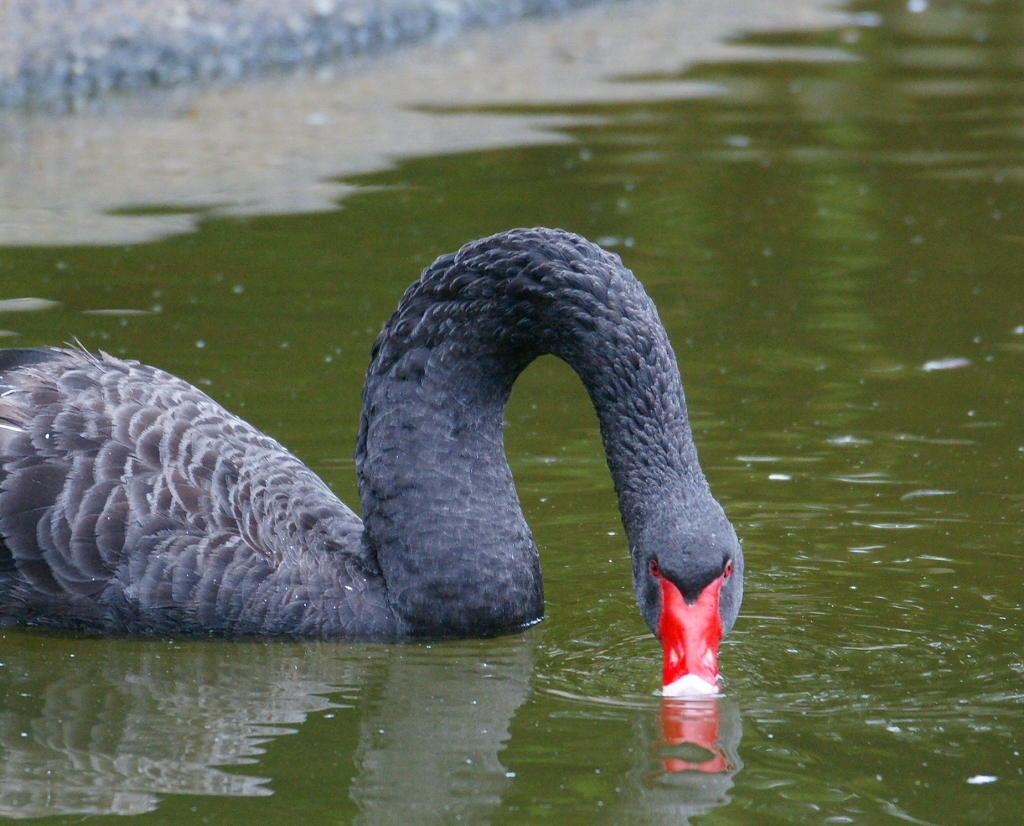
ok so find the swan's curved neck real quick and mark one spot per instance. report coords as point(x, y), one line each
point(439, 503)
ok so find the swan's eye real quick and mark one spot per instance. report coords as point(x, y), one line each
point(728, 569)
point(655, 570)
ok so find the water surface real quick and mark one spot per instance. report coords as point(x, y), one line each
point(836, 248)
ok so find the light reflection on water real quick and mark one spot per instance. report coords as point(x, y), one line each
point(109, 727)
point(97, 727)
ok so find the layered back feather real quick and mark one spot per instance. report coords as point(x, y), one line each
point(131, 501)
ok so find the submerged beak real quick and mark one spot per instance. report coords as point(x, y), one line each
point(690, 635)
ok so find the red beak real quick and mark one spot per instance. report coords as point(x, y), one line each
point(690, 635)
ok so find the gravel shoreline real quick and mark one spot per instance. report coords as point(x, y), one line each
point(60, 53)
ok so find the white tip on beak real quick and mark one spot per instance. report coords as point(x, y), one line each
point(689, 685)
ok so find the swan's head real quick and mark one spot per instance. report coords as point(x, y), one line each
point(688, 575)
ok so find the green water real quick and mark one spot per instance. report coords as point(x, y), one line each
point(821, 240)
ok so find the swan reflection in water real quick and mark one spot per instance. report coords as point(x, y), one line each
point(691, 734)
point(690, 765)
point(90, 726)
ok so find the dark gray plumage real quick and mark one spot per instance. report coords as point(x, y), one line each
point(132, 502)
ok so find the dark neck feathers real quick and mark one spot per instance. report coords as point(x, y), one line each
point(439, 503)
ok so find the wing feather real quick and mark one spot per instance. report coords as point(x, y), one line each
point(130, 501)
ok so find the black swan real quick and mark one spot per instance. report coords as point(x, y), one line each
point(130, 502)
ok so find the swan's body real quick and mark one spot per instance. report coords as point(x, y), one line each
point(132, 502)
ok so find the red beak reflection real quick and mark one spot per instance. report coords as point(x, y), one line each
point(692, 724)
